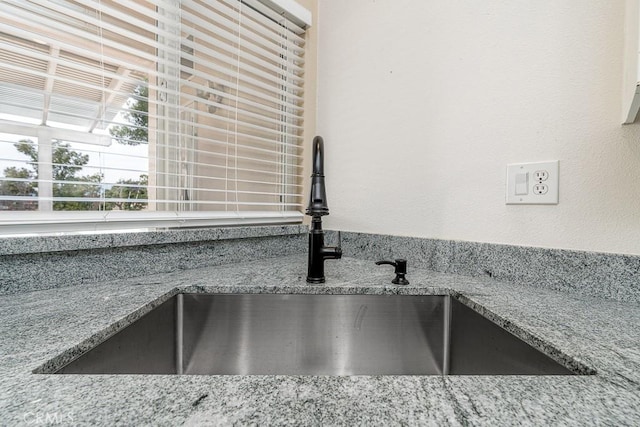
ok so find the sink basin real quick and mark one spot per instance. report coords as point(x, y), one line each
point(314, 335)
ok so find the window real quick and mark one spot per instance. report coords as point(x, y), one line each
point(152, 113)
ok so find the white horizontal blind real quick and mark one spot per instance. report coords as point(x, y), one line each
point(127, 109)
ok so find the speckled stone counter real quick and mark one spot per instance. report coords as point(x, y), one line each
point(45, 262)
point(599, 334)
point(598, 274)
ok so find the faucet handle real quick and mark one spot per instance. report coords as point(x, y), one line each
point(400, 266)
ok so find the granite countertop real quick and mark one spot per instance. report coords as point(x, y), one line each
point(592, 333)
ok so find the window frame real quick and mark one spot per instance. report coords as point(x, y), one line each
point(25, 222)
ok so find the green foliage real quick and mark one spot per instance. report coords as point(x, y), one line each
point(128, 189)
point(83, 189)
point(67, 164)
point(137, 116)
point(18, 188)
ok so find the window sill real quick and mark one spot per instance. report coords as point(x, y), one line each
point(83, 241)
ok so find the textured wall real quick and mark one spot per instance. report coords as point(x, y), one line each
point(423, 103)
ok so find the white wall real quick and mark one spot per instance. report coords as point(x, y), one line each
point(423, 103)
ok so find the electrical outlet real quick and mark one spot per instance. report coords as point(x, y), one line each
point(532, 183)
point(540, 189)
point(541, 175)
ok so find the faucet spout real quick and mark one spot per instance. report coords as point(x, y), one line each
point(317, 208)
point(318, 200)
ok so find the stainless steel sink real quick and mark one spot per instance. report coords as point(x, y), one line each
point(314, 335)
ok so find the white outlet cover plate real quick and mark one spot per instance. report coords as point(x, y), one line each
point(549, 198)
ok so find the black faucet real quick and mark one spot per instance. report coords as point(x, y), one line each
point(317, 208)
point(400, 270)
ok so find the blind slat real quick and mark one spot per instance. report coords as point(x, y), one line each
point(97, 200)
point(279, 67)
point(255, 43)
point(46, 24)
point(32, 74)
